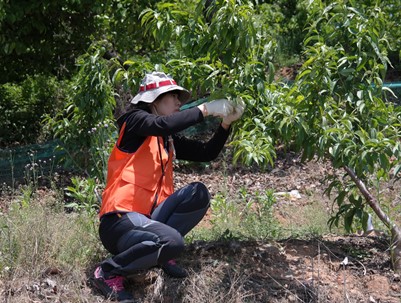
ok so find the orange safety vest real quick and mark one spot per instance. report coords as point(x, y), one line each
point(139, 181)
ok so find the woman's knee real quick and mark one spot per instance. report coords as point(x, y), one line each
point(172, 246)
point(201, 194)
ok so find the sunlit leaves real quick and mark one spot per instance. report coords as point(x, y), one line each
point(221, 50)
point(89, 108)
point(341, 82)
point(251, 147)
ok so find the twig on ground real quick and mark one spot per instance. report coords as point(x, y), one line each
point(282, 286)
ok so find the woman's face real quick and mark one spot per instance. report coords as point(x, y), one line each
point(167, 104)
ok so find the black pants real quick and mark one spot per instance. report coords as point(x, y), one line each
point(138, 242)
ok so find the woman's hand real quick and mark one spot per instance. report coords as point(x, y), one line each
point(236, 114)
point(218, 108)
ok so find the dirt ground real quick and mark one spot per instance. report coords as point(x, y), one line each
point(332, 268)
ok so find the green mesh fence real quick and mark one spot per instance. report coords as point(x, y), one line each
point(200, 129)
point(20, 162)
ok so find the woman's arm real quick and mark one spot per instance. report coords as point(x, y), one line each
point(194, 150)
point(143, 123)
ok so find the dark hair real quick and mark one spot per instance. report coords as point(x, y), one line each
point(140, 105)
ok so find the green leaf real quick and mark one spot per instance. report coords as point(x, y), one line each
point(397, 169)
point(340, 198)
point(348, 220)
point(347, 71)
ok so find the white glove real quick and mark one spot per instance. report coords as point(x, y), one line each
point(237, 112)
point(219, 108)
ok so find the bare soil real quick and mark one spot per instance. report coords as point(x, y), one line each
point(331, 268)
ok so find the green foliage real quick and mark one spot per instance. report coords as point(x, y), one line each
point(217, 49)
point(391, 9)
point(23, 107)
point(120, 24)
point(90, 105)
point(352, 209)
point(245, 215)
point(44, 36)
point(335, 110)
point(250, 147)
point(286, 20)
point(342, 85)
point(85, 195)
point(221, 51)
point(36, 33)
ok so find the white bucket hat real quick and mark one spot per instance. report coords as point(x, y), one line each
point(157, 83)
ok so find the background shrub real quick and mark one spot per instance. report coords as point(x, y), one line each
point(23, 107)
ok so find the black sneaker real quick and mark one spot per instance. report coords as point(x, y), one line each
point(173, 270)
point(112, 288)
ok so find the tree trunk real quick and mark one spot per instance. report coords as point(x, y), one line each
point(396, 248)
point(375, 205)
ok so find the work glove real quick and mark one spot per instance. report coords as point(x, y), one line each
point(237, 112)
point(219, 108)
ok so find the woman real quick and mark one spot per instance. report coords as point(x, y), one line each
point(142, 219)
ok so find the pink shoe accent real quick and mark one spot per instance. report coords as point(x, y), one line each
point(116, 283)
point(172, 262)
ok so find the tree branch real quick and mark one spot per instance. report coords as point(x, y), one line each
point(374, 204)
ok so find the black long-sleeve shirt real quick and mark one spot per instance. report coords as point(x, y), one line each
point(141, 124)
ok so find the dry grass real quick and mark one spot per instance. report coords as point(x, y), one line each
point(207, 286)
point(44, 251)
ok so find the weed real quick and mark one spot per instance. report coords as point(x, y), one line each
point(258, 218)
point(242, 215)
point(7, 190)
point(38, 170)
point(103, 136)
point(224, 210)
point(84, 195)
